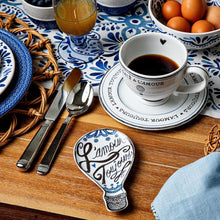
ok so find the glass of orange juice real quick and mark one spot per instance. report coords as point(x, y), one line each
point(77, 18)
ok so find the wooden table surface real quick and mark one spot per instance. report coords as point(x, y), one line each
point(67, 191)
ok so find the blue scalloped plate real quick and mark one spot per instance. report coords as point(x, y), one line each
point(22, 76)
point(7, 66)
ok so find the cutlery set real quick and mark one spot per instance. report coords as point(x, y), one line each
point(78, 97)
point(77, 103)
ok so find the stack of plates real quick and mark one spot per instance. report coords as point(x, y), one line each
point(15, 71)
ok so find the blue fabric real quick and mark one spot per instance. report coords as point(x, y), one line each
point(192, 192)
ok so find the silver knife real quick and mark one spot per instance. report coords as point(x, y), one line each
point(32, 150)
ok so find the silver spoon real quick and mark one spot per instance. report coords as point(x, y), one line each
point(77, 103)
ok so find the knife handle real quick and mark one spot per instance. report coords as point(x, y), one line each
point(30, 153)
point(48, 158)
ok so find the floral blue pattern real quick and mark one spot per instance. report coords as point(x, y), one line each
point(106, 133)
point(7, 66)
point(113, 31)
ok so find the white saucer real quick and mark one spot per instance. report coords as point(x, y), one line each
point(126, 107)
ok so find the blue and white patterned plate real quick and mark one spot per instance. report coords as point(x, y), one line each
point(23, 73)
point(126, 107)
point(7, 66)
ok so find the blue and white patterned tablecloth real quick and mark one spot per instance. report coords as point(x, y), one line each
point(112, 31)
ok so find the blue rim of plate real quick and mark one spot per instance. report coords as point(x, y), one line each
point(7, 66)
point(22, 76)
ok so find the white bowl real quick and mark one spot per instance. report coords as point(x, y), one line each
point(41, 16)
point(115, 7)
point(191, 40)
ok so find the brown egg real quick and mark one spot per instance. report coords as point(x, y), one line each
point(202, 26)
point(193, 10)
point(213, 16)
point(179, 23)
point(171, 9)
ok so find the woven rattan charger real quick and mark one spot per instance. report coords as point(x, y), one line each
point(31, 108)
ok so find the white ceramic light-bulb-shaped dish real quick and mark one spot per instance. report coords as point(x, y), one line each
point(106, 157)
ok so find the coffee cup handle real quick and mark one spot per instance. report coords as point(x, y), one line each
point(196, 87)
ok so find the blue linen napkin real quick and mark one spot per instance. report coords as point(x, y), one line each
point(192, 192)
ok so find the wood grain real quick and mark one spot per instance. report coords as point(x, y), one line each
point(67, 191)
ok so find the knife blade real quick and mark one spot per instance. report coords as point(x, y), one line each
point(32, 150)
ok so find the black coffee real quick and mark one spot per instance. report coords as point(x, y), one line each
point(153, 64)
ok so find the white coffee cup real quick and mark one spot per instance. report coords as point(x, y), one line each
point(156, 89)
